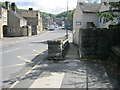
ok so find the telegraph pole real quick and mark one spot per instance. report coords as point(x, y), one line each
point(67, 21)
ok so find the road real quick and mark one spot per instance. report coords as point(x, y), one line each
point(20, 54)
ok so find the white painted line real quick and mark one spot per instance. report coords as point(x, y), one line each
point(52, 81)
point(12, 86)
point(24, 59)
point(9, 50)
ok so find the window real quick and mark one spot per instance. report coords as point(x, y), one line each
point(10, 30)
point(78, 23)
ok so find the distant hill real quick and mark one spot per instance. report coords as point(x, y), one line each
point(47, 14)
point(60, 15)
point(63, 14)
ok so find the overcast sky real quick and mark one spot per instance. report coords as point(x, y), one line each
point(50, 6)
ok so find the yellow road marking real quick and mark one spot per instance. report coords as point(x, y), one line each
point(10, 42)
point(14, 41)
point(13, 65)
point(24, 59)
point(18, 40)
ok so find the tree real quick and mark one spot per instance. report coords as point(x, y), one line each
point(110, 15)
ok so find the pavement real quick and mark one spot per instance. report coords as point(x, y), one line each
point(70, 73)
point(20, 54)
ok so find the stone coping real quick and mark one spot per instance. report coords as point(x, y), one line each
point(116, 50)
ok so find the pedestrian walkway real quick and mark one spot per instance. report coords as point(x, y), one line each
point(68, 73)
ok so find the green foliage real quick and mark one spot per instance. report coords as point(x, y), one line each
point(70, 18)
point(47, 14)
point(115, 5)
point(109, 16)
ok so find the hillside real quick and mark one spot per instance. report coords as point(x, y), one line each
point(60, 15)
point(48, 14)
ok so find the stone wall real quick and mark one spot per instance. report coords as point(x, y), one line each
point(57, 48)
point(95, 43)
point(116, 34)
point(114, 61)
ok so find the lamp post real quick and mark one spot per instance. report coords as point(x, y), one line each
point(67, 21)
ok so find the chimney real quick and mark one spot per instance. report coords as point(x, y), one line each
point(13, 7)
point(7, 5)
point(30, 9)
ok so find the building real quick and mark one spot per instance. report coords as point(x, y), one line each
point(3, 19)
point(85, 16)
point(45, 22)
point(33, 18)
point(16, 23)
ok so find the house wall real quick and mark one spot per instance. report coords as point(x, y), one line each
point(3, 20)
point(1, 30)
point(77, 17)
point(14, 24)
point(83, 18)
point(26, 31)
point(89, 17)
point(33, 19)
point(40, 25)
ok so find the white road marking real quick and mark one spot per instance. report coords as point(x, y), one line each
point(52, 81)
point(24, 59)
point(12, 86)
point(9, 50)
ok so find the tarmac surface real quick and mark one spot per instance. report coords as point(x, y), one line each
point(70, 73)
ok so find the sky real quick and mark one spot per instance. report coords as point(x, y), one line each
point(50, 6)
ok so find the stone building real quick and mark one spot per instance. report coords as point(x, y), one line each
point(33, 18)
point(85, 16)
point(3, 19)
point(45, 22)
point(16, 23)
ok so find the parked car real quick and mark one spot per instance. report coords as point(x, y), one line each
point(52, 27)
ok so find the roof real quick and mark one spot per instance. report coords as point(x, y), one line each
point(90, 7)
point(28, 13)
point(17, 15)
